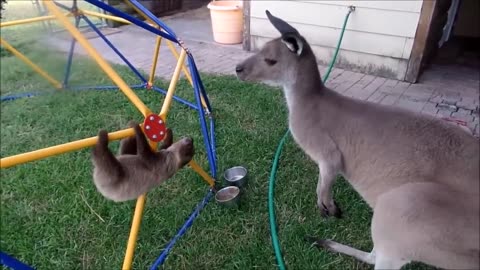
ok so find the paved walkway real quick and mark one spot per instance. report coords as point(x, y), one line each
point(442, 91)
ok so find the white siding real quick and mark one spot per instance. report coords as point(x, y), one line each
point(397, 5)
point(378, 37)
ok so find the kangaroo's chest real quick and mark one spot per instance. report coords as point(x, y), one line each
point(308, 126)
point(308, 138)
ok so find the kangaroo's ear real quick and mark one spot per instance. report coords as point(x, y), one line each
point(293, 42)
point(290, 36)
point(282, 26)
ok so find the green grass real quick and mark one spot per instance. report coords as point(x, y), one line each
point(50, 207)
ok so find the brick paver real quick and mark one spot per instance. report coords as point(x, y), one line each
point(430, 108)
point(441, 93)
point(419, 91)
point(410, 104)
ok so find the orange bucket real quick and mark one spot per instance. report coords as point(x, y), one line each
point(227, 21)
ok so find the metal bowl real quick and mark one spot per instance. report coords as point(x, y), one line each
point(236, 176)
point(228, 196)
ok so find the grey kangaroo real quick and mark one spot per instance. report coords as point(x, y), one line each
point(137, 168)
point(420, 175)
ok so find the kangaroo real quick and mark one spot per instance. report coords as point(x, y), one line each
point(137, 169)
point(420, 175)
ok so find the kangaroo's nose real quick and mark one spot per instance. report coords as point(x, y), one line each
point(239, 68)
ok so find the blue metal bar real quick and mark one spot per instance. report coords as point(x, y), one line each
point(200, 84)
point(113, 48)
point(206, 140)
point(212, 138)
point(132, 19)
point(198, 81)
point(152, 17)
point(18, 96)
point(184, 102)
point(135, 86)
point(13, 263)
point(201, 112)
point(70, 54)
point(204, 94)
point(161, 259)
point(208, 146)
point(209, 107)
point(105, 87)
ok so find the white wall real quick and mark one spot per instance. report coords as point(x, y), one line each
point(378, 37)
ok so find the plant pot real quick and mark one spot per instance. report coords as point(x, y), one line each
point(227, 21)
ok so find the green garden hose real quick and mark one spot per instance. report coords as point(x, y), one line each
point(271, 184)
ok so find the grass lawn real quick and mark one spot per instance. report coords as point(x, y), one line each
point(52, 217)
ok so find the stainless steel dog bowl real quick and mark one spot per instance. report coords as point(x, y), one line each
point(236, 176)
point(228, 196)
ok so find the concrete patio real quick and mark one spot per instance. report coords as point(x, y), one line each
point(443, 91)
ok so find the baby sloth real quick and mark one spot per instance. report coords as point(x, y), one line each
point(137, 169)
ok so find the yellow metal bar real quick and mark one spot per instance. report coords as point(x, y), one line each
point(60, 149)
point(202, 173)
point(185, 70)
point(157, 46)
point(173, 83)
point(98, 58)
point(169, 43)
point(172, 49)
point(135, 228)
point(132, 238)
point(155, 59)
point(137, 217)
point(27, 61)
point(30, 20)
point(104, 16)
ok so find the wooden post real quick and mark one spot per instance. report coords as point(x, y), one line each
point(246, 25)
point(420, 41)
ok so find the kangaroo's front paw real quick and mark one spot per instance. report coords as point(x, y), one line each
point(329, 210)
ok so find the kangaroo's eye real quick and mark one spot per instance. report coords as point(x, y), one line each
point(270, 62)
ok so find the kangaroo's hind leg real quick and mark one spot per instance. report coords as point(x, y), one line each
point(344, 249)
point(427, 222)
